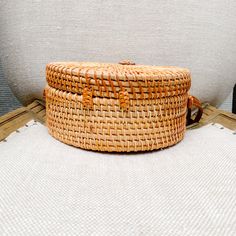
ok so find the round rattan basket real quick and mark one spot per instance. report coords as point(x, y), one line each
point(117, 107)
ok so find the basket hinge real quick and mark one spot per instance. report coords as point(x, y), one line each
point(87, 98)
point(124, 100)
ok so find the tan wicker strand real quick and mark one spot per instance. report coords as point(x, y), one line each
point(148, 124)
point(141, 82)
point(159, 107)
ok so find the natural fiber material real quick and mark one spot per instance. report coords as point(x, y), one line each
point(107, 80)
point(116, 107)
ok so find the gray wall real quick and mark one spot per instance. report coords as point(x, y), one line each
point(227, 104)
point(8, 101)
point(199, 35)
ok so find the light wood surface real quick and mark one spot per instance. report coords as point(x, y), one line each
point(19, 117)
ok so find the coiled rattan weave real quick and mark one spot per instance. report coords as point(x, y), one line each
point(116, 107)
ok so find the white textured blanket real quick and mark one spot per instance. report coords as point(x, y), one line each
point(49, 188)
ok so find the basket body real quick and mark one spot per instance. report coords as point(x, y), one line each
point(116, 118)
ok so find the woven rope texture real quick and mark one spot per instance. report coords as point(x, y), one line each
point(116, 108)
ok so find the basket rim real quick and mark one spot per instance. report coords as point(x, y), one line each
point(112, 70)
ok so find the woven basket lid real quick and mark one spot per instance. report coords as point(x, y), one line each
point(108, 80)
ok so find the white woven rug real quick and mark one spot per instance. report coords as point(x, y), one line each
point(49, 188)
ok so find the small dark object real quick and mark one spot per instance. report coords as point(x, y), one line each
point(234, 100)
